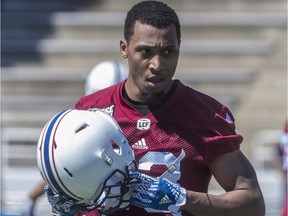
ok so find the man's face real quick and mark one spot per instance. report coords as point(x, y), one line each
point(152, 57)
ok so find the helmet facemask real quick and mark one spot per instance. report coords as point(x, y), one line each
point(115, 194)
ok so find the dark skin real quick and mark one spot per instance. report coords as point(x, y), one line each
point(152, 55)
point(243, 196)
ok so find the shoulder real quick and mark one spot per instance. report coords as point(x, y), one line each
point(202, 110)
point(199, 97)
point(99, 98)
point(197, 102)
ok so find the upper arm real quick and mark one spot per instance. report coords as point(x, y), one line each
point(243, 196)
point(233, 171)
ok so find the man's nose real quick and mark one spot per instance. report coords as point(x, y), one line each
point(155, 63)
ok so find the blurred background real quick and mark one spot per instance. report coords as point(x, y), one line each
point(233, 50)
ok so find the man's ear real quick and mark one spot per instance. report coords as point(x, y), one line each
point(123, 48)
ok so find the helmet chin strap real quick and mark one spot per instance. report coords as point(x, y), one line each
point(171, 169)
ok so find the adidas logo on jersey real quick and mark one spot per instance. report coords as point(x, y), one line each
point(165, 200)
point(141, 144)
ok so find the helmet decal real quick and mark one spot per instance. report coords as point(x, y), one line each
point(49, 163)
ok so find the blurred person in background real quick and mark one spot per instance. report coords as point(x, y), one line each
point(102, 75)
point(283, 153)
point(105, 74)
point(30, 202)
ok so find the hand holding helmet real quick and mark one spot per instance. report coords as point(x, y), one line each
point(156, 193)
point(62, 206)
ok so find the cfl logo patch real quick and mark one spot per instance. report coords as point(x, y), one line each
point(143, 124)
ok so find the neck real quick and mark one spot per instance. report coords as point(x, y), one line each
point(135, 94)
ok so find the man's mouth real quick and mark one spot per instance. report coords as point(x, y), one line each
point(155, 80)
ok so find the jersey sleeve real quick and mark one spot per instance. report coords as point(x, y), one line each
point(88, 101)
point(79, 104)
point(222, 137)
point(100, 99)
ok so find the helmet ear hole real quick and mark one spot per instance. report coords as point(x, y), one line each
point(117, 150)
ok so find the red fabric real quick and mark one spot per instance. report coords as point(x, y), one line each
point(285, 209)
point(188, 120)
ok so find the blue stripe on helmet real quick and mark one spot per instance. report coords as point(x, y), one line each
point(47, 161)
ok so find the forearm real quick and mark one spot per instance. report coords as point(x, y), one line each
point(234, 203)
point(37, 191)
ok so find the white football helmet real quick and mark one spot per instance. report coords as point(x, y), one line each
point(84, 156)
point(105, 74)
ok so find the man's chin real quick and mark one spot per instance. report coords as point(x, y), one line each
point(152, 99)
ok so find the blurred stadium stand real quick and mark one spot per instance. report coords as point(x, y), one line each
point(233, 50)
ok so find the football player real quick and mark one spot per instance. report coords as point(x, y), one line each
point(283, 153)
point(180, 136)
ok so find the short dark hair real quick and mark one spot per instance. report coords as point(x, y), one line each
point(154, 13)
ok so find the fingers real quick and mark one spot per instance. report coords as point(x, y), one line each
point(141, 187)
point(140, 203)
point(143, 197)
point(158, 194)
point(48, 190)
point(141, 177)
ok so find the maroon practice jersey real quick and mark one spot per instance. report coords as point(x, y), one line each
point(188, 120)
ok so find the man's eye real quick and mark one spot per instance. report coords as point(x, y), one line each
point(145, 51)
point(168, 51)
